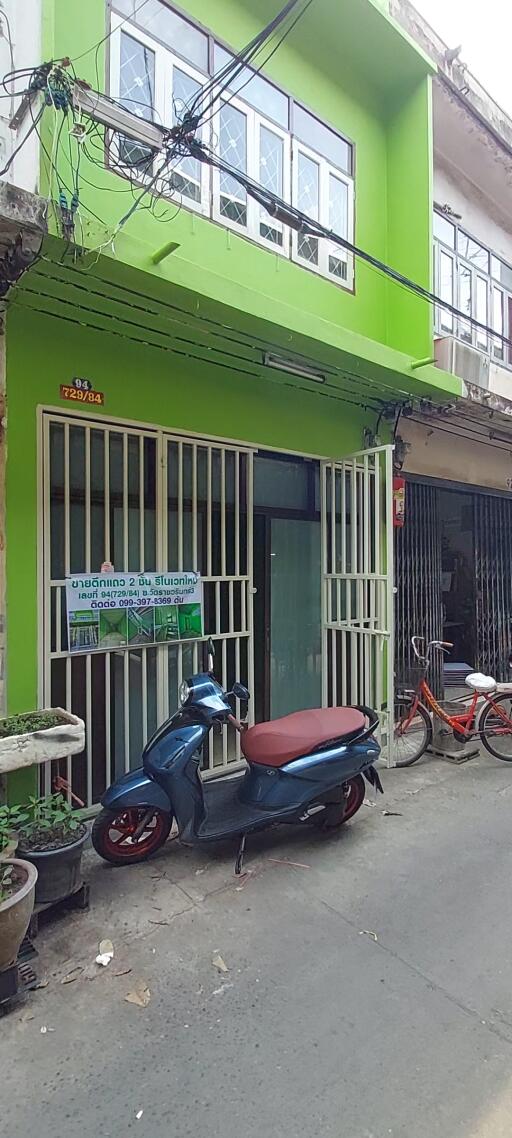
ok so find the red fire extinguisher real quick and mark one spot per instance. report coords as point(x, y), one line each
point(398, 501)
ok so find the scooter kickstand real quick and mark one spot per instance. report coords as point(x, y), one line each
point(240, 855)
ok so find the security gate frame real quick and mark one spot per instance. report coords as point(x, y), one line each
point(357, 585)
point(217, 476)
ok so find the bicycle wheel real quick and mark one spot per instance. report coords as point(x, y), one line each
point(496, 732)
point(411, 737)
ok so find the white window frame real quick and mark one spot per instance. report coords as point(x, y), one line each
point(495, 349)
point(254, 121)
point(326, 248)
point(165, 62)
point(209, 205)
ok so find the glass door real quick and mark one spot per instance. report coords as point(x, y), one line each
point(295, 616)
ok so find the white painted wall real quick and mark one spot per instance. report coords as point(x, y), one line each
point(20, 38)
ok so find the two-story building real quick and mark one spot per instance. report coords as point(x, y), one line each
point(233, 362)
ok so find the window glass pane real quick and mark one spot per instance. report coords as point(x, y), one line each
point(271, 177)
point(136, 93)
point(481, 311)
point(445, 289)
point(158, 19)
point(338, 206)
point(509, 328)
point(137, 77)
point(501, 272)
point(473, 252)
point(325, 141)
point(233, 150)
point(186, 175)
point(254, 89)
point(308, 194)
point(280, 484)
point(444, 230)
point(338, 222)
point(465, 302)
point(497, 321)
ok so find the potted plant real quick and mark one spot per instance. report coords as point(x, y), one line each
point(39, 736)
point(17, 891)
point(52, 838)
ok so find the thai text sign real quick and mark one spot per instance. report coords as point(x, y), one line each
point(123, 610)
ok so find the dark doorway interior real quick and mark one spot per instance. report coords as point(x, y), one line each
point(458, 575)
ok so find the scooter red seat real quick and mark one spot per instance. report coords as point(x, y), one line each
point(278, 742)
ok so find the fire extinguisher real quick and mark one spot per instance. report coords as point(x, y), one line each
point(398, 501)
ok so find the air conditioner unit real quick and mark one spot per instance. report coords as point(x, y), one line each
point(462, 360)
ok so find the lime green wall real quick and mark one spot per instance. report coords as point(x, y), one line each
point(140, 384)
point(359, 73)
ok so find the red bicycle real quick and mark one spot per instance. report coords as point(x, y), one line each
point(416, 708)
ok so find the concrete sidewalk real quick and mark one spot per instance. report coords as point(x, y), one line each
point(368, 991)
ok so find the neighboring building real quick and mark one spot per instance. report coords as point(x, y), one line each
point(239, 362)
point(454, 555)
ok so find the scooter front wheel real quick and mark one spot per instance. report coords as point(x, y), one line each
point(336, 813)
point(130, 835)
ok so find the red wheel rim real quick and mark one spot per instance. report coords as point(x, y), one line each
point(119, 835)
point(352, 798)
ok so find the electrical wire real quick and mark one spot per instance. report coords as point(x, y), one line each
point(235, 66)
point(291, 215)
point(20, 146)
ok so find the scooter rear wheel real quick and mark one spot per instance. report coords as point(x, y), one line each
point(114, 836)
point(351, 798)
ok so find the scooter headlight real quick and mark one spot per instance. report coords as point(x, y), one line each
point(185, 691)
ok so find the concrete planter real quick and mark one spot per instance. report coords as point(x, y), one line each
point(15, 913)
point(68, 738)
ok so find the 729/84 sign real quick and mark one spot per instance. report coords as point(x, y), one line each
point(82, 395)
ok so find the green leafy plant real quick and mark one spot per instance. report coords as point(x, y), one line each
point(48, 822)
point(29, 722)
point(12, 818)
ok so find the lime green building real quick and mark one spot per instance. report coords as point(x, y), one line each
point(187, 386)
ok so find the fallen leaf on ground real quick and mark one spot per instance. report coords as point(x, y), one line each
point(219, 963)
point(140, 996)
point(391, 814)
point(106, 952)
point(284, 861)
point(72, 975)
point(368, 932)
point(122, 972)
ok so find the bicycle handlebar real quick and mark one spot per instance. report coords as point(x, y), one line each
point(424, 653)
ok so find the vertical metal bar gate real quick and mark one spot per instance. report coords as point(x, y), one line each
point(493, 573)
point(357, 583)
point(418, 598)
point(143, 500)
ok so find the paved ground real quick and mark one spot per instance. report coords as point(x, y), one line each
point(368, 995)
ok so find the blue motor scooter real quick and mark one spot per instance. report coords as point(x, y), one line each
point(304, 768)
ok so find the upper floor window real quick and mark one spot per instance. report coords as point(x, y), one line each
point(158, 64)
point(469, 277)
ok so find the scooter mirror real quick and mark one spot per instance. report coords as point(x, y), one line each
point(240, 692)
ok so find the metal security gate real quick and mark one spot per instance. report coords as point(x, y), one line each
point(418, 599)
point(143, 500)
point(357, 583)
point(493, 579)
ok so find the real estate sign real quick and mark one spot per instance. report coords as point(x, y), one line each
point(124, 610)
